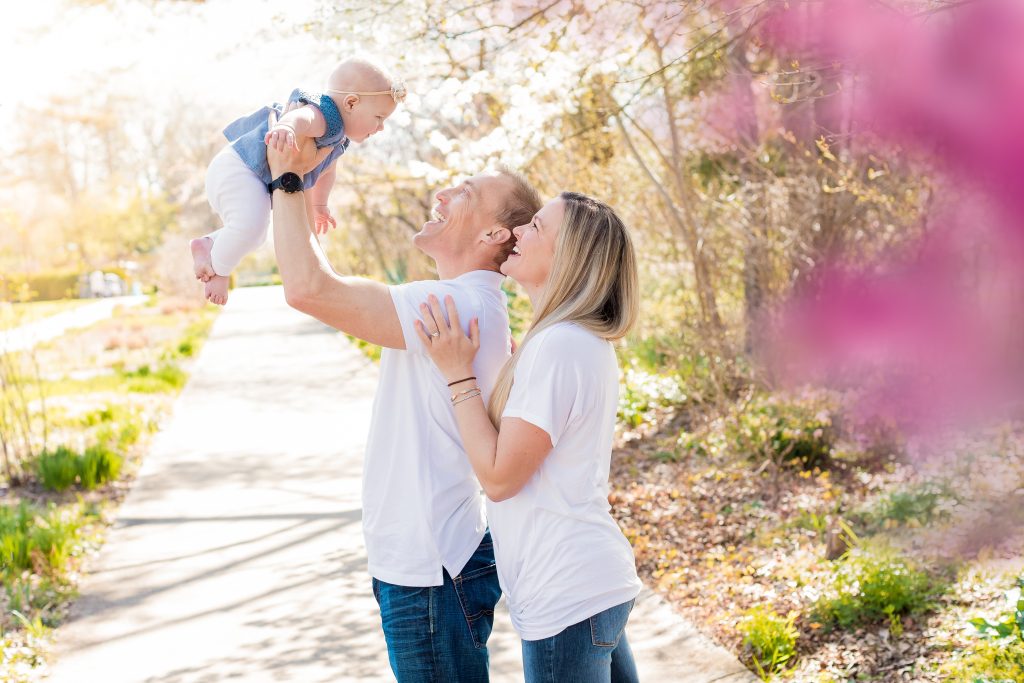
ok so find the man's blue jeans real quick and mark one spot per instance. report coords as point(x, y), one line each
point(439, 633)
point(593, 651)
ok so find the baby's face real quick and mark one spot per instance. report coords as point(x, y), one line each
point(365, 116)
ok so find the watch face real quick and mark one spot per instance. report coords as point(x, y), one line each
point(291, 182)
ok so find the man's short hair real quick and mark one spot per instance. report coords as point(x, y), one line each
point(519, 208)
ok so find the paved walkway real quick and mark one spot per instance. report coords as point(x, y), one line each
point(238, 554)
point(27, 336)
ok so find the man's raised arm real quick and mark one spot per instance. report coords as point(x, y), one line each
point(354, 305)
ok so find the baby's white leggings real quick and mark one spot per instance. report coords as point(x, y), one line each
point(241, 200)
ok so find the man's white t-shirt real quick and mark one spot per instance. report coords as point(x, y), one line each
point(561, 557)
point(422, 507)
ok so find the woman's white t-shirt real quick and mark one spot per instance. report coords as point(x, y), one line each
point(561, 557)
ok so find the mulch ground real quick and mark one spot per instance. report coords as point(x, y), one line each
point(716, 537)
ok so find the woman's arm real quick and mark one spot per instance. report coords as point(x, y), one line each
point(505, 460)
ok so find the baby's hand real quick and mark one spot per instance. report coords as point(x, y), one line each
point(281, 136)
point(322, 219)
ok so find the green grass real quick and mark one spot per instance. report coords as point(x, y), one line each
point(990, 662)
point(916, 506)
point(62, 468)
point(98, 465)
point(57, 470)
point(998, 655)
point(166, 377)
point(37, 539)
point(771, 639)
point(873, 587)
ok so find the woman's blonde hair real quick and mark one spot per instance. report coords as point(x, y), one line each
point(593, 283)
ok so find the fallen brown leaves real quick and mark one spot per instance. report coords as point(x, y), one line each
point(718, 536)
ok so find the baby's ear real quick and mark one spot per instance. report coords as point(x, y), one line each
point(350, 102)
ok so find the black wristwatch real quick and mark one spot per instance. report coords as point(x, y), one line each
point(289, 182)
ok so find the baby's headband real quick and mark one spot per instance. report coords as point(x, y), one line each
point(397, 92)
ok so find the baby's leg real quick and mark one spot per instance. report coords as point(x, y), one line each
point(241, 200)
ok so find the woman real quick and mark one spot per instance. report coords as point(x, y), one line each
point(542, 449)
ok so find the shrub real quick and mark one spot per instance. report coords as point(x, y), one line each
point(53, 537)
point(144, 380)
point(643, 391)
point(35, 539)
point(57, 469)
point(999, 656)
point(798, 431)
point(873, 587)
point(60, 469)
point(46, 286)
point(770, 638)
point(98, 465)
point(914, 507)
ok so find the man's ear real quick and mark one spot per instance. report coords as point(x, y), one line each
point(498, 235)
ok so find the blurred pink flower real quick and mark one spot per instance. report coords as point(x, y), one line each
point(935, 335)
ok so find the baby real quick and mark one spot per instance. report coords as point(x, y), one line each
point(358, 99)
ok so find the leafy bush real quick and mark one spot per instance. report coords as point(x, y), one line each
point(870, 587)
point(798, 431)
point(916, 506)
point(999, 657)
point(47, 286)
point(57, 469)
point(643, 391)
point(770, 639)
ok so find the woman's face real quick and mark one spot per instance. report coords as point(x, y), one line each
point(529, 264)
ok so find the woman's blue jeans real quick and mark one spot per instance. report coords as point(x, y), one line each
point(439, 634)
point(593, 651)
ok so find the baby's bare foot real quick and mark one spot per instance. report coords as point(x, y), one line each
point(201, 249)
point(217, 290)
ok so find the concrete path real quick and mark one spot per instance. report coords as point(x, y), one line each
point(27, 336)
point(238, 554)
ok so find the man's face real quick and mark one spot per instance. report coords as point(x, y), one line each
point(461, 214)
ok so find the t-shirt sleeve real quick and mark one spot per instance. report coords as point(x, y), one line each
point(551, 384)
point(335, 130)
point(408, 297)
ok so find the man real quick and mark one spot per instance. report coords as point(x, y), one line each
point(429, 552)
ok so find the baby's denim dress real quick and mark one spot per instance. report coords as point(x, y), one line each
point(246, 135)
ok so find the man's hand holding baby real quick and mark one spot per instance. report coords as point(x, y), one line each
point(291, 158)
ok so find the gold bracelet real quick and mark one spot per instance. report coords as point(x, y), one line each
point(463, 400)
point(463, 393)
